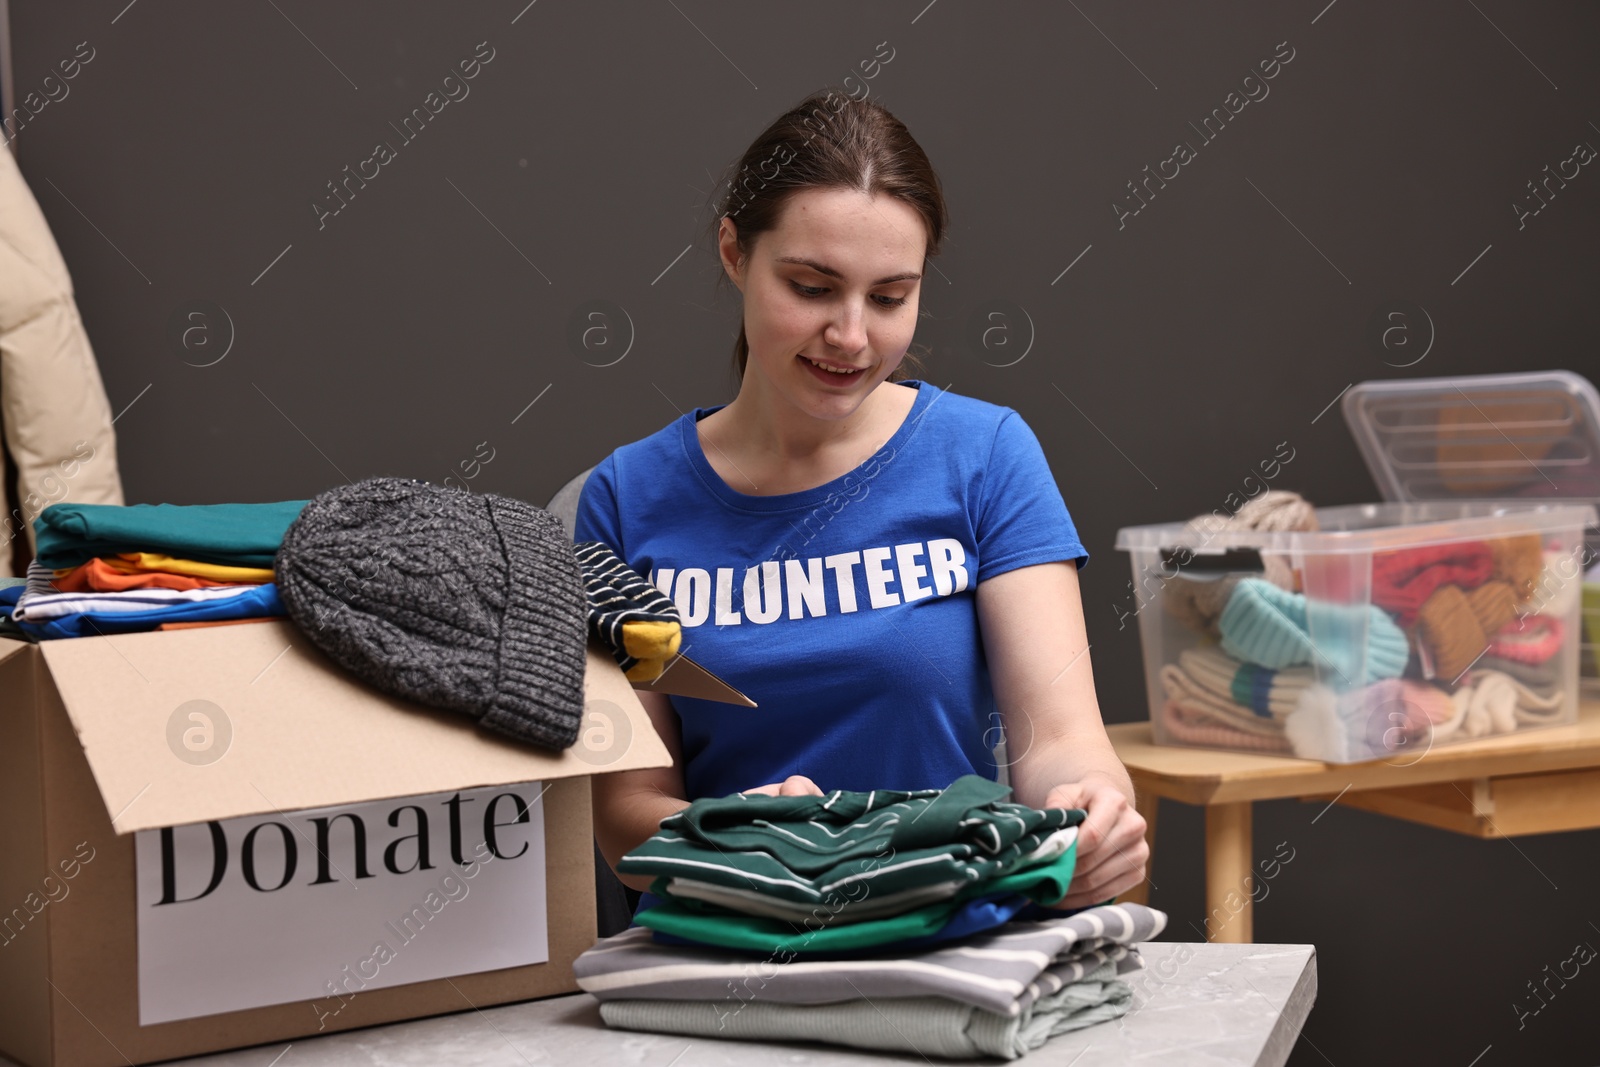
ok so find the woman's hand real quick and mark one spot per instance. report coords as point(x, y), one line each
point(796, 785)
point(1112, 852)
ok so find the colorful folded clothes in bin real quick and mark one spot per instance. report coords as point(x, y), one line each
point(1400, 715)
point(1392, 716)
point(1271, 627)
point(1403, 580)
point(1543, 678)
point(1494, 702)
point(1214, 699)
point(1456, 627)
point(1191, 726)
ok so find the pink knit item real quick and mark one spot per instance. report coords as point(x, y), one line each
point(1532, 639)
point(1192, 729)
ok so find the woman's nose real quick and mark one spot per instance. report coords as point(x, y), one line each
point(847, 332)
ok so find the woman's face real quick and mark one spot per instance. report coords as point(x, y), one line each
point(836, 283)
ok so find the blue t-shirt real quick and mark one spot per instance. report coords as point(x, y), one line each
point(847, 612)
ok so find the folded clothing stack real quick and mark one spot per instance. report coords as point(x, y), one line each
point(1000, 993)
point(108, 568)
point(1368, 722)
point(887, 864)
point(871, 878)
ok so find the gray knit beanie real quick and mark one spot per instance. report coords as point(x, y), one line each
point(466, 601)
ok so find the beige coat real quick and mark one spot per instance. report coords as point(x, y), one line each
point(53, 407)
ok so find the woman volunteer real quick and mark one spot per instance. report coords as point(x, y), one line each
point(886, 568)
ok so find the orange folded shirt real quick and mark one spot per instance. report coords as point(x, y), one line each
point(106, 576)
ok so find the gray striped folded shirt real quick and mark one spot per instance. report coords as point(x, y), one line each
point(755, 902)
point(1003, 970)
point(929, 1026)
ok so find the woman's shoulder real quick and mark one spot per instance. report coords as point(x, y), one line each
point(963, 413)
point(665, 442)
point(638, 473)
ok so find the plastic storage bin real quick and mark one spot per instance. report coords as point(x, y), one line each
point(1390, 629)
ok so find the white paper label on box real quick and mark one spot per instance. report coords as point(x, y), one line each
point(321, 904)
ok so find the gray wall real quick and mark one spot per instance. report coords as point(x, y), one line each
point(1191, 338)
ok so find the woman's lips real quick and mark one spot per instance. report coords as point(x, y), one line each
point(830, 376)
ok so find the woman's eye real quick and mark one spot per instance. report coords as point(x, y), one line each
point(812, 292)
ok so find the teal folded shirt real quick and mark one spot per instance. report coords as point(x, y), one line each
point(240, 535)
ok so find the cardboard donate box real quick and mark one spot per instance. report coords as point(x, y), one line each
point(216, 837)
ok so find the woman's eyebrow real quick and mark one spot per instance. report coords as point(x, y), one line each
point(823, 268)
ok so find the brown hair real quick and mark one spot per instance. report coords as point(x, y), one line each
point(829, 140)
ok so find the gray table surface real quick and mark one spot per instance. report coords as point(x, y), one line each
point(1200, 1005)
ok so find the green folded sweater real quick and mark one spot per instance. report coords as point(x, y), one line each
point(809, 849)
point(1044, 883)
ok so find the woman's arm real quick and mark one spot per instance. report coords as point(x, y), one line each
point(629, 805)
point(1059, 755)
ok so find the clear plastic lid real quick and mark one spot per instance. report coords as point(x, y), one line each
point(1489, 436)
point(1355, 529)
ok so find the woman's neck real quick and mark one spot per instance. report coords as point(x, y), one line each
point(761, 444)
point(761, 421)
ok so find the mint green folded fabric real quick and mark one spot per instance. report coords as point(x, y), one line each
point(1349, 644)
point(1043, 883)
point(241, 535)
